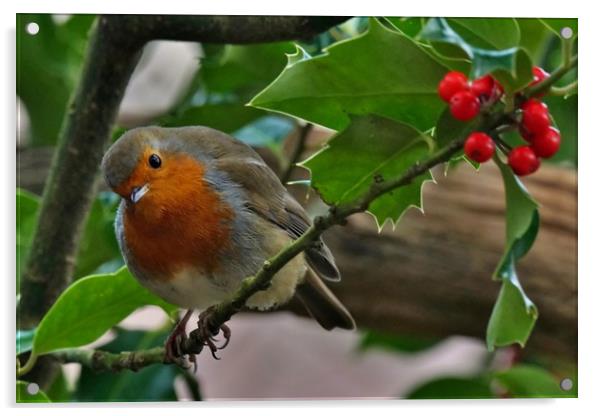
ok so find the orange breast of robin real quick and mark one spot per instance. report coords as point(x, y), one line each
point(180, 223)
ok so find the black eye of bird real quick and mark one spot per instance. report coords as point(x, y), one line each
point(154, 161)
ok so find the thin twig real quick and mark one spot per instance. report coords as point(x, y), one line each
point(564, 91)
point(545, 85)
point(297, 152)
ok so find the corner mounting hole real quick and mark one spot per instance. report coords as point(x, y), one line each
point(33, 388)
point(32, 28)
point(566, 32)
point(566, 384)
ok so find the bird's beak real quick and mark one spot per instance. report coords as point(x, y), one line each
point(138, 192)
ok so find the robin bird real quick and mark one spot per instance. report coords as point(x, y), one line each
point(201, 211)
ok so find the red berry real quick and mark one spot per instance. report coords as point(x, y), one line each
point(546, 144)
point(464, 105)
point(523, 161)
point(538, 75)
point(527, 135)
point(482, 86)
point(535, 116)
point(479, 147)
point(486, 87)
point(452, 83)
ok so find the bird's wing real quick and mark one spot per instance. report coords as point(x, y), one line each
point(269, 199)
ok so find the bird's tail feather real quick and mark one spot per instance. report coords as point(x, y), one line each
point(322, 304)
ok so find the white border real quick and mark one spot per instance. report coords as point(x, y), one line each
point(590, 151)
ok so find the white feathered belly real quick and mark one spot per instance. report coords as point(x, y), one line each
point(190, 288)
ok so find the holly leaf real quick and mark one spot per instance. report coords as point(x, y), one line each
point(381, 72)
point(388, 148)
point(411, 26)
point(491, 46)
point(487, 33)
point(90, 307)
point(514, 314)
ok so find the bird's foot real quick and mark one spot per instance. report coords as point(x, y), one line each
point(173, 343)
point(207, 332)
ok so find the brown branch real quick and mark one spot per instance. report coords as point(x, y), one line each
point(113, 52)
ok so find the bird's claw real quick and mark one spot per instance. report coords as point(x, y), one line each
point(206, 333)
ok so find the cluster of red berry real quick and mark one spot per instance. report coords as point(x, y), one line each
point(465, 100)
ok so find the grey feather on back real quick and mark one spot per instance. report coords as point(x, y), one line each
point(262, 185)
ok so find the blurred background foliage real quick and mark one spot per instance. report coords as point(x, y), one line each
point(227, 78)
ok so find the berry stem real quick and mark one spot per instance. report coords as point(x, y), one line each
point(551, 80)
point(504, 128)
point(567, 51)
point(504, 147)
point(564, 91)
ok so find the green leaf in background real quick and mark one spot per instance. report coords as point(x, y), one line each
point(534, 35)
point(50, 62)
point(491, 45)
point(267, 131)
point(229, 76)
point(59, 390)
point(388, 148)
point(395, 342)
point(556, 25)
point(243, 70)
point(380, 72)
point(99, 244)
point(90, 307)
point(453, 388)
point(28, 205)
point(226, 117)
point(24, 340)
point(152, 383)
point(514, 314)
point(23, 395)
point(529, 381)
